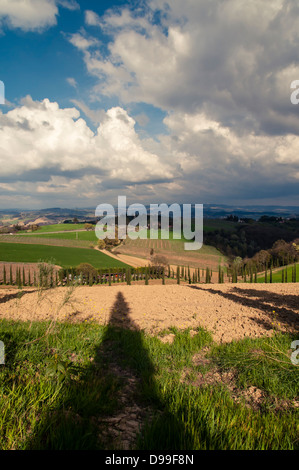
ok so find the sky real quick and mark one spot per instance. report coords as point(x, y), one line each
point(185, 101)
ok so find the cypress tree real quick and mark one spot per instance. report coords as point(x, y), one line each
point(29, 278)
point(19, 278)
point(219, 274)
point(178, 275)
point(271, 274)
point(10, 275)
point(51, 280)
point(128, 276)
point(4, 275)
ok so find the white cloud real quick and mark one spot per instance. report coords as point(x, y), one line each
point(81, 42)
point(29, 15)
point(69, 4)
point(232, 59)
point(32, 15)
point(91, 18)
point(72, 82)
point(48, 151)
point(40, 136)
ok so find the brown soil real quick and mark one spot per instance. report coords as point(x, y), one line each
point(229, 312)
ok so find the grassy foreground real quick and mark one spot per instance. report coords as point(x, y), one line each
point(58, 384)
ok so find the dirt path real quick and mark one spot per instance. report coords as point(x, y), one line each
point(228, 311)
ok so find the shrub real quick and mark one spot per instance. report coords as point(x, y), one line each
point(87, 270)
point(159, 260)
point(101, 244)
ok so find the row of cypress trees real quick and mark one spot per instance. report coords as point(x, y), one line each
point(68, 276)
point(31, 279)
point(250, 275)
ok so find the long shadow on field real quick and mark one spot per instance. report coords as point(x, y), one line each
point(275, 307)
point(15, 295)
point(115, 398)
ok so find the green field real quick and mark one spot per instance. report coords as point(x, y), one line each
point(171, 248)
point(277, 275)
point(59, 227)
point(209, 225)
point(67, 235)
point(63, 256)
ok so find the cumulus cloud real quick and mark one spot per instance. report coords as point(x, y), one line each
point(80, 41)
point(91, 18)
point(28, 15)
point(48, 151)
point(220, 72)
point(233, 59)
point(41, 142)
point(32, 15)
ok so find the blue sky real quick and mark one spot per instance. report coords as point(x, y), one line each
point(185, 101)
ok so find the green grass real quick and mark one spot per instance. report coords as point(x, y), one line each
point(264, 363)
point(277, 275)
point(210, 225)
point(85, 235)
point(63, 256)
point(59, 227)
point(56, 388)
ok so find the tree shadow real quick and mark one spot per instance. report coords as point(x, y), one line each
point(16, 295)
point(116, 404)
point(278, 307)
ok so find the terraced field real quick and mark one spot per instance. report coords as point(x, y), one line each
point(174, 251)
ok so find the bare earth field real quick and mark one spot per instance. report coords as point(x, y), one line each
point(228, 311)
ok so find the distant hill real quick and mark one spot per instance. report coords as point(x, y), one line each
point(56, 215)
